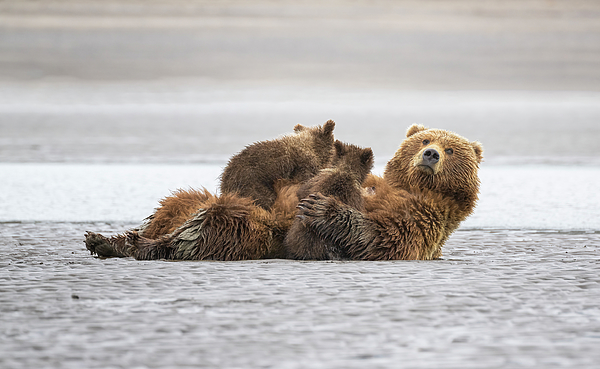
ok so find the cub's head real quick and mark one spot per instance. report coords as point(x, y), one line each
point(318, 139)
point(352, 159)
point(437, 160)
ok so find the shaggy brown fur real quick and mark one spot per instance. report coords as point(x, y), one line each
point(227, 227)
point(296, 158)
point(173, 212)
point(428, 188)
point(342, 181)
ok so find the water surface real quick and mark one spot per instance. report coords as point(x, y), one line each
point(499, 298)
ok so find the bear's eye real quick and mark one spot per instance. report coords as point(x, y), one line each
point(425, 142)
point(449, 151)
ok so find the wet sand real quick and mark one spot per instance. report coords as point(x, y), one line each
point(514, 299)
point(517, 286)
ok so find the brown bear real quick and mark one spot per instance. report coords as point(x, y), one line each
point(428, 188)
point(343, 181)
point(253, 172)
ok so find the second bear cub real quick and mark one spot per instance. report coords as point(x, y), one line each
point(342, 180)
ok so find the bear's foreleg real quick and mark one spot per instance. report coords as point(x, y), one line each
point(302, 243)
point(385, 235)
point(343, 227)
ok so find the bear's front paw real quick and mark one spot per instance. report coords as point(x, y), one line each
point(315, 206)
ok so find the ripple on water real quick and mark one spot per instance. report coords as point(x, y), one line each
point(498, 298)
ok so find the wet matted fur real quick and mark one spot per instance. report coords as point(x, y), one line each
point(227, 227)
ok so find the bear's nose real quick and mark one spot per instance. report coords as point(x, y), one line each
point(431, 156)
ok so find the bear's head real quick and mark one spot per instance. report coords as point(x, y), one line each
point(352, 159)
point(318, 140)
point(437, 160)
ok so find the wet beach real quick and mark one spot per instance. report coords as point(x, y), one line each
point(499, 298)
point(105, 109)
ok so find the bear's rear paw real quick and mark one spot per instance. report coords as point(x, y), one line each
point(99, 245)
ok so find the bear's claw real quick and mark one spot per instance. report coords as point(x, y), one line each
point(313, 206)
point(98, 244)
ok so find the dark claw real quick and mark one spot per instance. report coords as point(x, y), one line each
point(309, 201)
point(300, 216)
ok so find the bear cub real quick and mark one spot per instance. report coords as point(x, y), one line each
point(342, 180)
point(254, 172)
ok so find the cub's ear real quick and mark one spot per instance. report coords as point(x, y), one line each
point(478, 147)
point(366, 157)
point(340, 148)
point(328, 127)
point(414, 129)
point(299, 128)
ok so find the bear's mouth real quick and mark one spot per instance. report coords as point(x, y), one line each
point(426, 169)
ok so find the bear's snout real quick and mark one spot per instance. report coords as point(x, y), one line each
point(428, 161)
point(431, 157)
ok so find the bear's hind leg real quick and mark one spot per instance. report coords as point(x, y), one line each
point(127, 244)
point(115, 246)
point(143, 248)
point(228, 228)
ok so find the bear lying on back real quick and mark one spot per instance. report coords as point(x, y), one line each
point(295, 158)
point(342, 180)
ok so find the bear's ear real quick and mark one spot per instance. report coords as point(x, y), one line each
point(478, 147)
point(366, 157)
point(299, 128)
point(414, 129)
point(340, 148)
point(328, 127)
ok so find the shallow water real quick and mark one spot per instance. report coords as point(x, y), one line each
point(499, 298)
point(512, 197)
point(195, 121)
